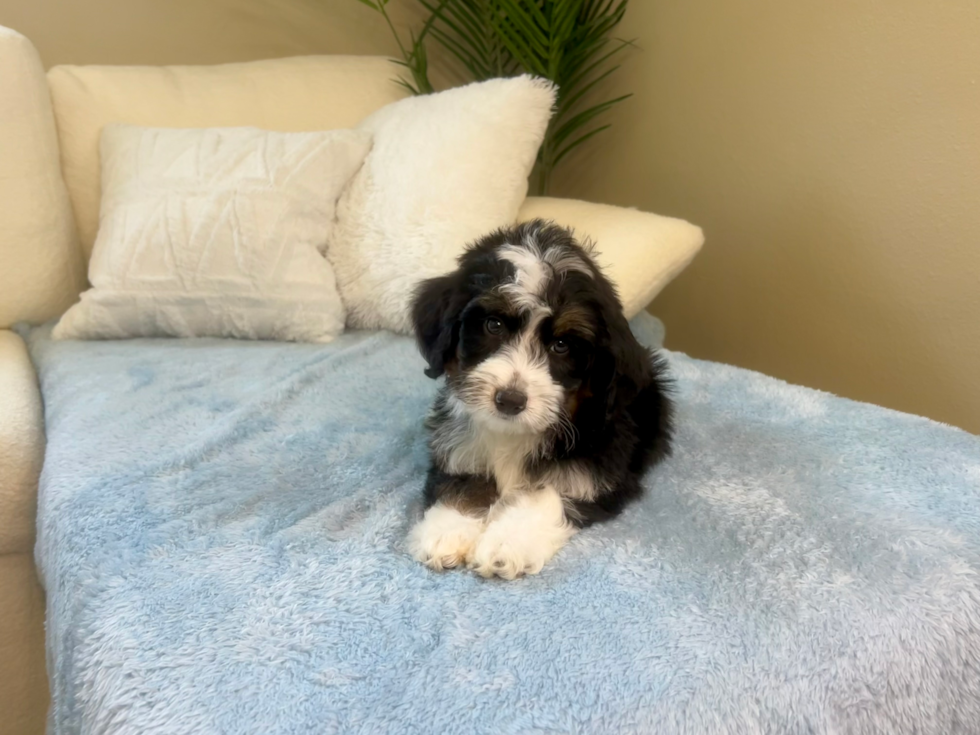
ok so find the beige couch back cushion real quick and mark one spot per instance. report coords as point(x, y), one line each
point(40, 269)
point(295, 94)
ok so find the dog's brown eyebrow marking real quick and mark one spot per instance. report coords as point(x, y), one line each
point(575, 319)
point(496, 303)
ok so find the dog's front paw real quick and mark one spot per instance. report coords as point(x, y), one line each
point(523, 538)
point(508, 558)
point(444, 538)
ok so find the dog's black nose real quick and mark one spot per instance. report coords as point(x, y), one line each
point(510, 402)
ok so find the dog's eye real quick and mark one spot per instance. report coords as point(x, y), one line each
point(559, 347)
point(493, 325)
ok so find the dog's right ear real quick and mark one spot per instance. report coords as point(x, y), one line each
point(436, 308)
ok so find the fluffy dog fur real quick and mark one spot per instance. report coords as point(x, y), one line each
point(551, 410)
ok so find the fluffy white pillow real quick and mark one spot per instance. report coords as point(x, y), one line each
point(216, 232)
point(445, 169)
point(288, 95)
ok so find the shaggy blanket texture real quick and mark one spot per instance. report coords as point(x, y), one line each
point(222, 539)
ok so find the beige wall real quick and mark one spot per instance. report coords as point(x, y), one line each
point(830, 149)
point(194, 31)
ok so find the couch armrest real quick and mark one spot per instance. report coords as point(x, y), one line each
point(23, 682)
point(41, 271)
point(21, 445)
point(640, 252)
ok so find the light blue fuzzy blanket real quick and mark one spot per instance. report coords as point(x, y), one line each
point(222, 538)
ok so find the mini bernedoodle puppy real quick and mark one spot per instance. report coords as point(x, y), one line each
point(551, 410)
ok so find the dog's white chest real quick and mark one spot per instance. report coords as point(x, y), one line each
point(465, 448)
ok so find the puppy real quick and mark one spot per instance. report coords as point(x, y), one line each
point(551, 410)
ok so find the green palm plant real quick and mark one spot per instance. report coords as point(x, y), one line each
point(567, 41)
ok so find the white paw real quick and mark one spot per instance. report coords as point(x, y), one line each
point(509, 558)
point(523, 537)
point(444, 538)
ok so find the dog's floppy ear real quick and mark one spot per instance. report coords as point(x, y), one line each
point(616, 373)
point(621, 366)
point(436, 308)
point(631, 364)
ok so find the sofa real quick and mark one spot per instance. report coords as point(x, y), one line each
point(221, 525)
point(48, 219)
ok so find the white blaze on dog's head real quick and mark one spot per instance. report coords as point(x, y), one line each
point(531, 277)
point(534, 270)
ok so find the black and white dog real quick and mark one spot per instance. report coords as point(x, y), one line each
point(551, 411)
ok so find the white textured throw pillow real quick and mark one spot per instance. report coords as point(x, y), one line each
point(445, 169)
point(216, 232)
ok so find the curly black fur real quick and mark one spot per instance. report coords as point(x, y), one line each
point(614, 414)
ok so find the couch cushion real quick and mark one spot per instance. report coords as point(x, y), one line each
point(640, 252)
point(21, 445)
point(296, 94)
point(40, 268)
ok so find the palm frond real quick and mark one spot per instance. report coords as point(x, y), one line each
point(566, 41)
point(568, 102)
point(576, 121)
point(578, 141)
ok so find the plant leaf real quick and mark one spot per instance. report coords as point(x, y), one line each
point(577, 142)
point(569, 102)
point(513, 43)
point(463, 45)
point(448, 8)
point(581, 74)
point(529, 9)
point(576, 121)
point(465, 57)
point(566, 41)
point(523, 28)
